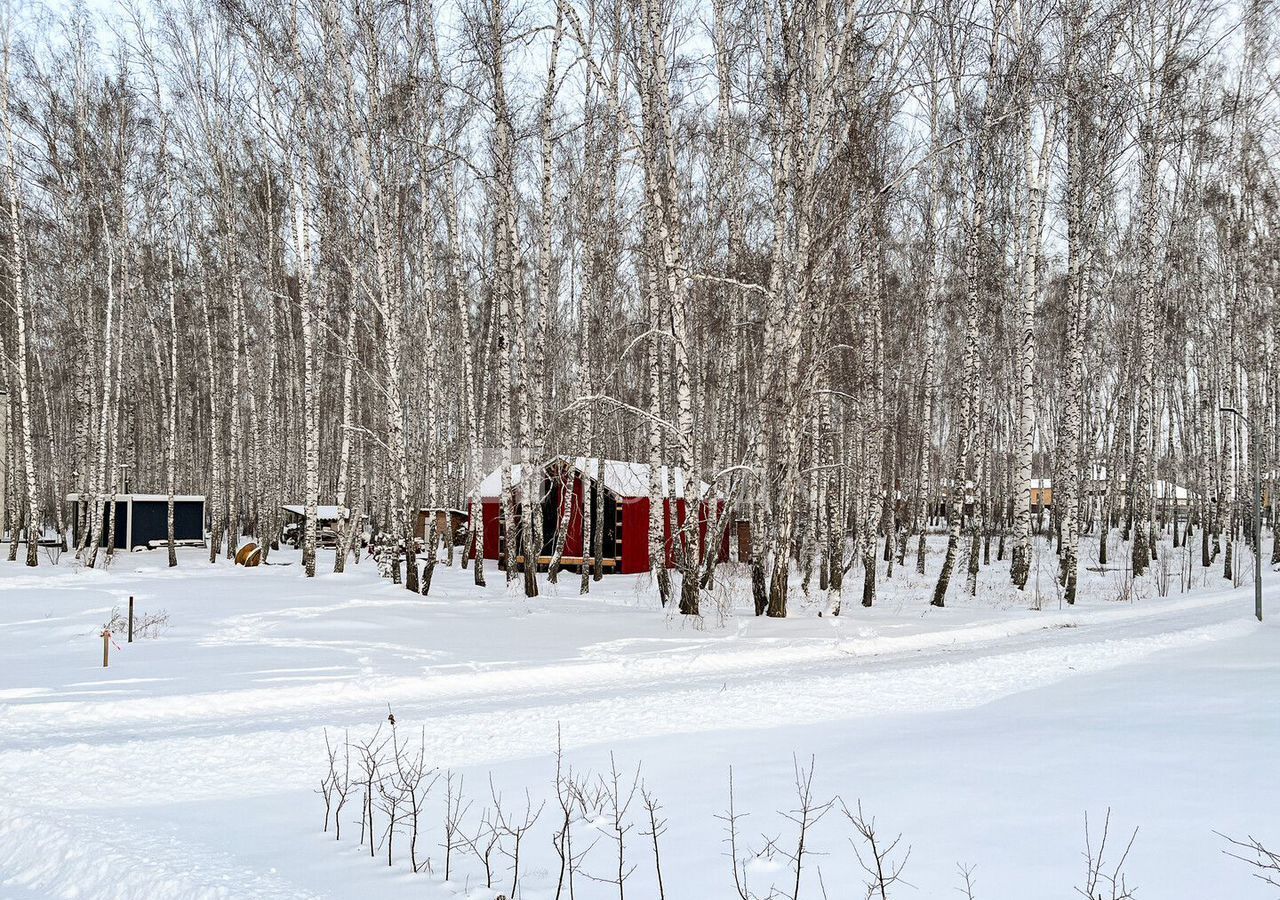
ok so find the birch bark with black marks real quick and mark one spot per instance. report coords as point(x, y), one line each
point(977, 203)
point(17, 265)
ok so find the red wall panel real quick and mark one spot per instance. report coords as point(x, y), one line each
point(635, 535)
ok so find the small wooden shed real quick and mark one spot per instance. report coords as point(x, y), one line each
point(327, 517)
point(142, 520)
point(1041, 493)
point(445, 517)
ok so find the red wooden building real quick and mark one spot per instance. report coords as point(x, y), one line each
point(626, 512)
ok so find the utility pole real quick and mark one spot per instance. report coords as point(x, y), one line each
point(1257, 507)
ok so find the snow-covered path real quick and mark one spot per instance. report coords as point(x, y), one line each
point(227, 711)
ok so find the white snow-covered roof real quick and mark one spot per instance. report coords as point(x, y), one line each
point(324, 512)
point(1161, 489)
point(625, 479)
point(125, 498)
point(1041, 484)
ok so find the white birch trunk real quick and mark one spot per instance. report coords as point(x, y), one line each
point(310, 399)
point(18, 265)
point(1035, 171)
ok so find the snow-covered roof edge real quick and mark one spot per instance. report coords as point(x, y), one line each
point(323, 510)
point(625, 479)
point(124, 498)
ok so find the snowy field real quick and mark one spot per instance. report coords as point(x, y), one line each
point(983, 732)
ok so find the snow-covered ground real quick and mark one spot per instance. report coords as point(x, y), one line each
point(982, 732)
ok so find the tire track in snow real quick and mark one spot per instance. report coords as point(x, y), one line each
point(269, 761)
point(39, 722)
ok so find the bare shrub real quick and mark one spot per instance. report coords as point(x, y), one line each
point(737, 862)
point(146, 625)
point(611, 801)
point(329, 782)
point(414, 780)
point(1164, 573)
point(513, 831)
point(483, 841)
point(454, 810)
point(391, 797)
point(657, 827)
point(1124, 584)
point(1104, 881)
point(807, 814)
point(342, 786)
point(369, 759)
point(594, 814)
point(570, 797)
point(879, 863)
point(1265, 863)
